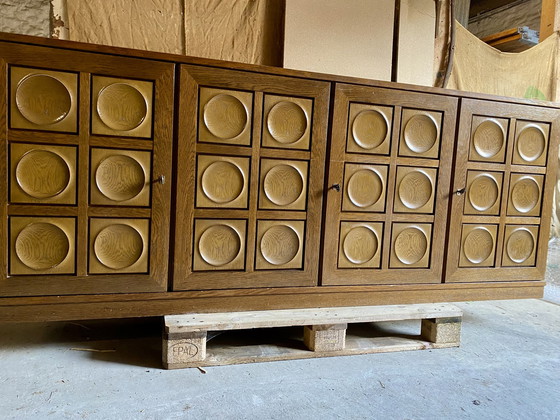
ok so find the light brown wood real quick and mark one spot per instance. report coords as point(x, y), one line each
point(325, 338)
point(550, 18)
point(279, 181)
point(251, 155)
point(121, 107)
point(478, 250)
point(414, 188)
point(52, 177)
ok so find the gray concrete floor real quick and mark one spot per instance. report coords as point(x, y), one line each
point(508, 367)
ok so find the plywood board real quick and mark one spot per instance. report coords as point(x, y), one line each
point(352, 38)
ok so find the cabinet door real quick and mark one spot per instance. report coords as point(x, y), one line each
point(250, 176)
point(84, 138)
point(388, 180)
point(503, 182)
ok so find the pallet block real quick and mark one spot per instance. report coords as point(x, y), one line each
point(324, 333)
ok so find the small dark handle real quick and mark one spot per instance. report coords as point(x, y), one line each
point(336, 187)
point(460, 192)
point(160, 180)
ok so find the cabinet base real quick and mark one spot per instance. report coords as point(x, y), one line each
point(66, 308)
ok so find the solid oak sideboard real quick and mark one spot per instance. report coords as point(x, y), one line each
point(146, 184)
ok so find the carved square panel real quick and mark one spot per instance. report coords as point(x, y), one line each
point(488, 139)
point(478, 245)
point(520, 245)
point(120, 177)
point(420, 133)
point(222, 181)
point(365, 188)
point(416, 190)
point(411, 245)
point(483, 192)
point(42, 174)
point(225, 116)
point(287, 122)
point(525, 194)
point(43, 100)
point(118, 245)
point(283, 184)
point(279, 244)
point(42, 245)
point(359, 245)
point(531, 143)
point(369, 129)
point(219, 244)
point(121, 107)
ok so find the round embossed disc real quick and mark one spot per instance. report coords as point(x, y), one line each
point(364, 188)
point(283, 185)
point(279, 244)
point(415, 189)
point(118, 246)
point(41, 246)
point(219, 245)
point(42, 99)
point(520, 245)
point(286, 122)
point(531, 143)
point(120, 177)
point(222, 182)
point(525, 194)
point(42, 174)
point(478, 245)
point(121, 106)
point(411, 245)
point(488, 139)
point(225, 116)
point(483, 192)
point(369, 129)
point(360, 245)
point(420, 133)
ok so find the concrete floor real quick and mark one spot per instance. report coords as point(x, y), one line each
point(508, 367)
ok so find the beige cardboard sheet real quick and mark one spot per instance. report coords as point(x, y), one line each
point(351, 37)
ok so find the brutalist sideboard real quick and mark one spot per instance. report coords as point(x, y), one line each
point(143, 184)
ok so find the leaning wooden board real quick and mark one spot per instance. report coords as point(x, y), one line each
point(142, 184)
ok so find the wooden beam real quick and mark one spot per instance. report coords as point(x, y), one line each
point(550, 18)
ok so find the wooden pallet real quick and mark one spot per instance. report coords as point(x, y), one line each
point(325, 333)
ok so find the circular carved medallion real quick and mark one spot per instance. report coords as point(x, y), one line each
point(360, 245)
point(488, 138)
point(420, 133)
point(42, 99)
point(118, 246)
point(415, 190)
point(369, 129)
point(286, 122)
point(120, 177)
point(520, 245)
point(121, 106)
point(225, 116)
point(531, 143)
point(411, 245)
point(279, 244)
point(525, 194)
point(219, 245)
point(364, 188)
point(42, 174)
point(222, 182)
point(41, 246)
point(478, 245)
point(483, 192)
point(283, 184)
